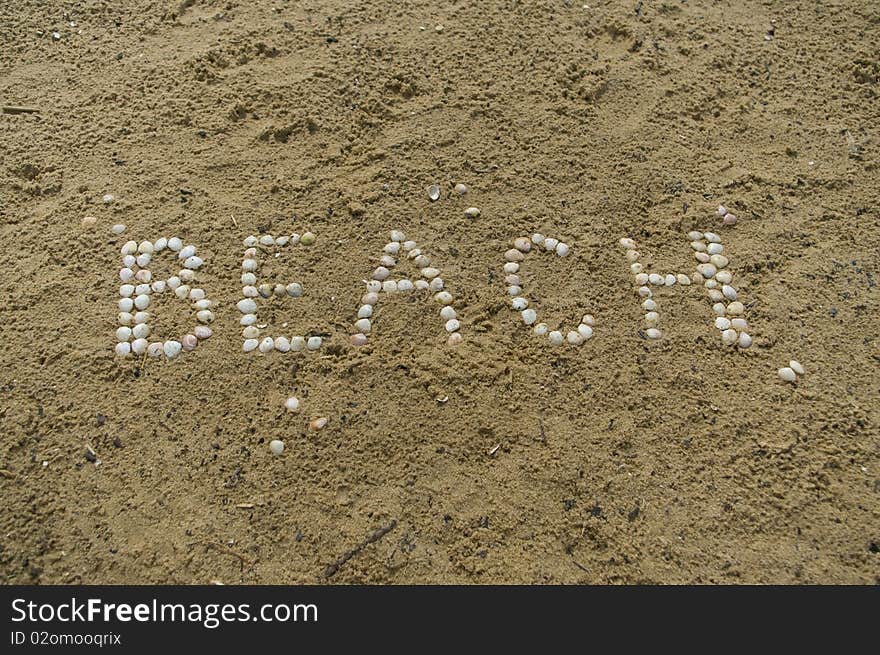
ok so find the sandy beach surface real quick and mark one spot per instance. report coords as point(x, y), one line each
point(498, 460)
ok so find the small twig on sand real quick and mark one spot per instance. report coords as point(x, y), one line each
point(12, 109)
point(378, 534)
point(226, 549)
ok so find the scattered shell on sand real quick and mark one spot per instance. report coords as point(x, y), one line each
point(461, 189)
point(292, 404)
point(472, 212)
point(276, 446)
point(433, 192)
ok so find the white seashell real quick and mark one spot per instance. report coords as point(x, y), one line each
point(422, 261)
point(707, 270)
point(652, 319)
point(126, 274)
point(370, 298)
point(126, 290)
point(125, 318)
point(695, 236)
point(655, 279)
point(514, 255)
point(585, 331)
point(720, 261)
point(444, 298)
point(430, 272)
point(392, 248)
point(318, 423)
point(514, 290)
point(574, 338)
point(246, 306)
point(363, 325)
point(645, 292)
point(389, 286)
point(537, 238)
point(519, 303)
point(143, 260)
point(632, 255)
point(119, 228)
point(728, 337)
point(701, 257)
point(422, 285)
point(555, 338)
point(280, 290)
point(126, 304)
point(189, 342)
point(276, 446)
point(186, 275)
point(722, 323)
point(142, 290)
point(314, 343)
point(729, 292)
point(193, 262)
point(670, 280)
point(374, 286)
point(267, 240)
point(387, 261)
point(249, 291)
point(472, 212)
point(797, 367)
point(173, 282)
point(724, 277)
point(397, 235)
point(787, 374)
point(186, 252)
point(202, 331)
point(175, 244)
point(683, 279)
point(712, 237)
point(248, 319)
point(365, 311)
point(123, 333)
point(744, 340)
point(636, 268)
point(140, 331)
point(699, 246)
point(540, 329)
point(250, 345)
point(642, 279)
point(511, 267)
point(267, 344)
point(512, 280)
point(715, 295)
point(143, 275)
point(295, 238)
point(447, 313)
point(249, 265)
point(653, 333)
point(142, 301)
point(460, 189)
point(155, 349)
point(523, 244)
point(145, 247)
point(172, 349)
point(196, 294)
point(715, 249)
point(550, 244)
point(436, 284)
point(182, 291)
point(139, 346)
point(735, 308)
point(649, 305)
point(160, 244)
point(628, 244)
point(381, 273)
point(129, 248)
point(205, 316)
point(529, 316)
point(452, 325)
point(292, 404)
point(294, 290)
point(710, 283)
point(297, 344)
point(129, 260)
point(250, 332)
point(358, 340)
point(123, 348)
point(739, 324)
point(406, 285)
point(562, 249)
point(282, 344)
point(587, 319)
point(250, 241)
point(719, 308)
point(409, 246)
point(721, 211)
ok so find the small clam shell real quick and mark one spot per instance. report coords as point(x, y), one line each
point(787, 374)
point(282, 344)
point(319, 423)
point(202, 331)
point(529, 316)
point(523, 244)
point(452, 325)
point(189, 342)
point(292, 404)
point(358, 340)
point(276, 446)
point(363, 325)
point(250, 345)
point(313, 343)
point(472, 212)
point(267, 344)
point(171, 349)
point(797, 367)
